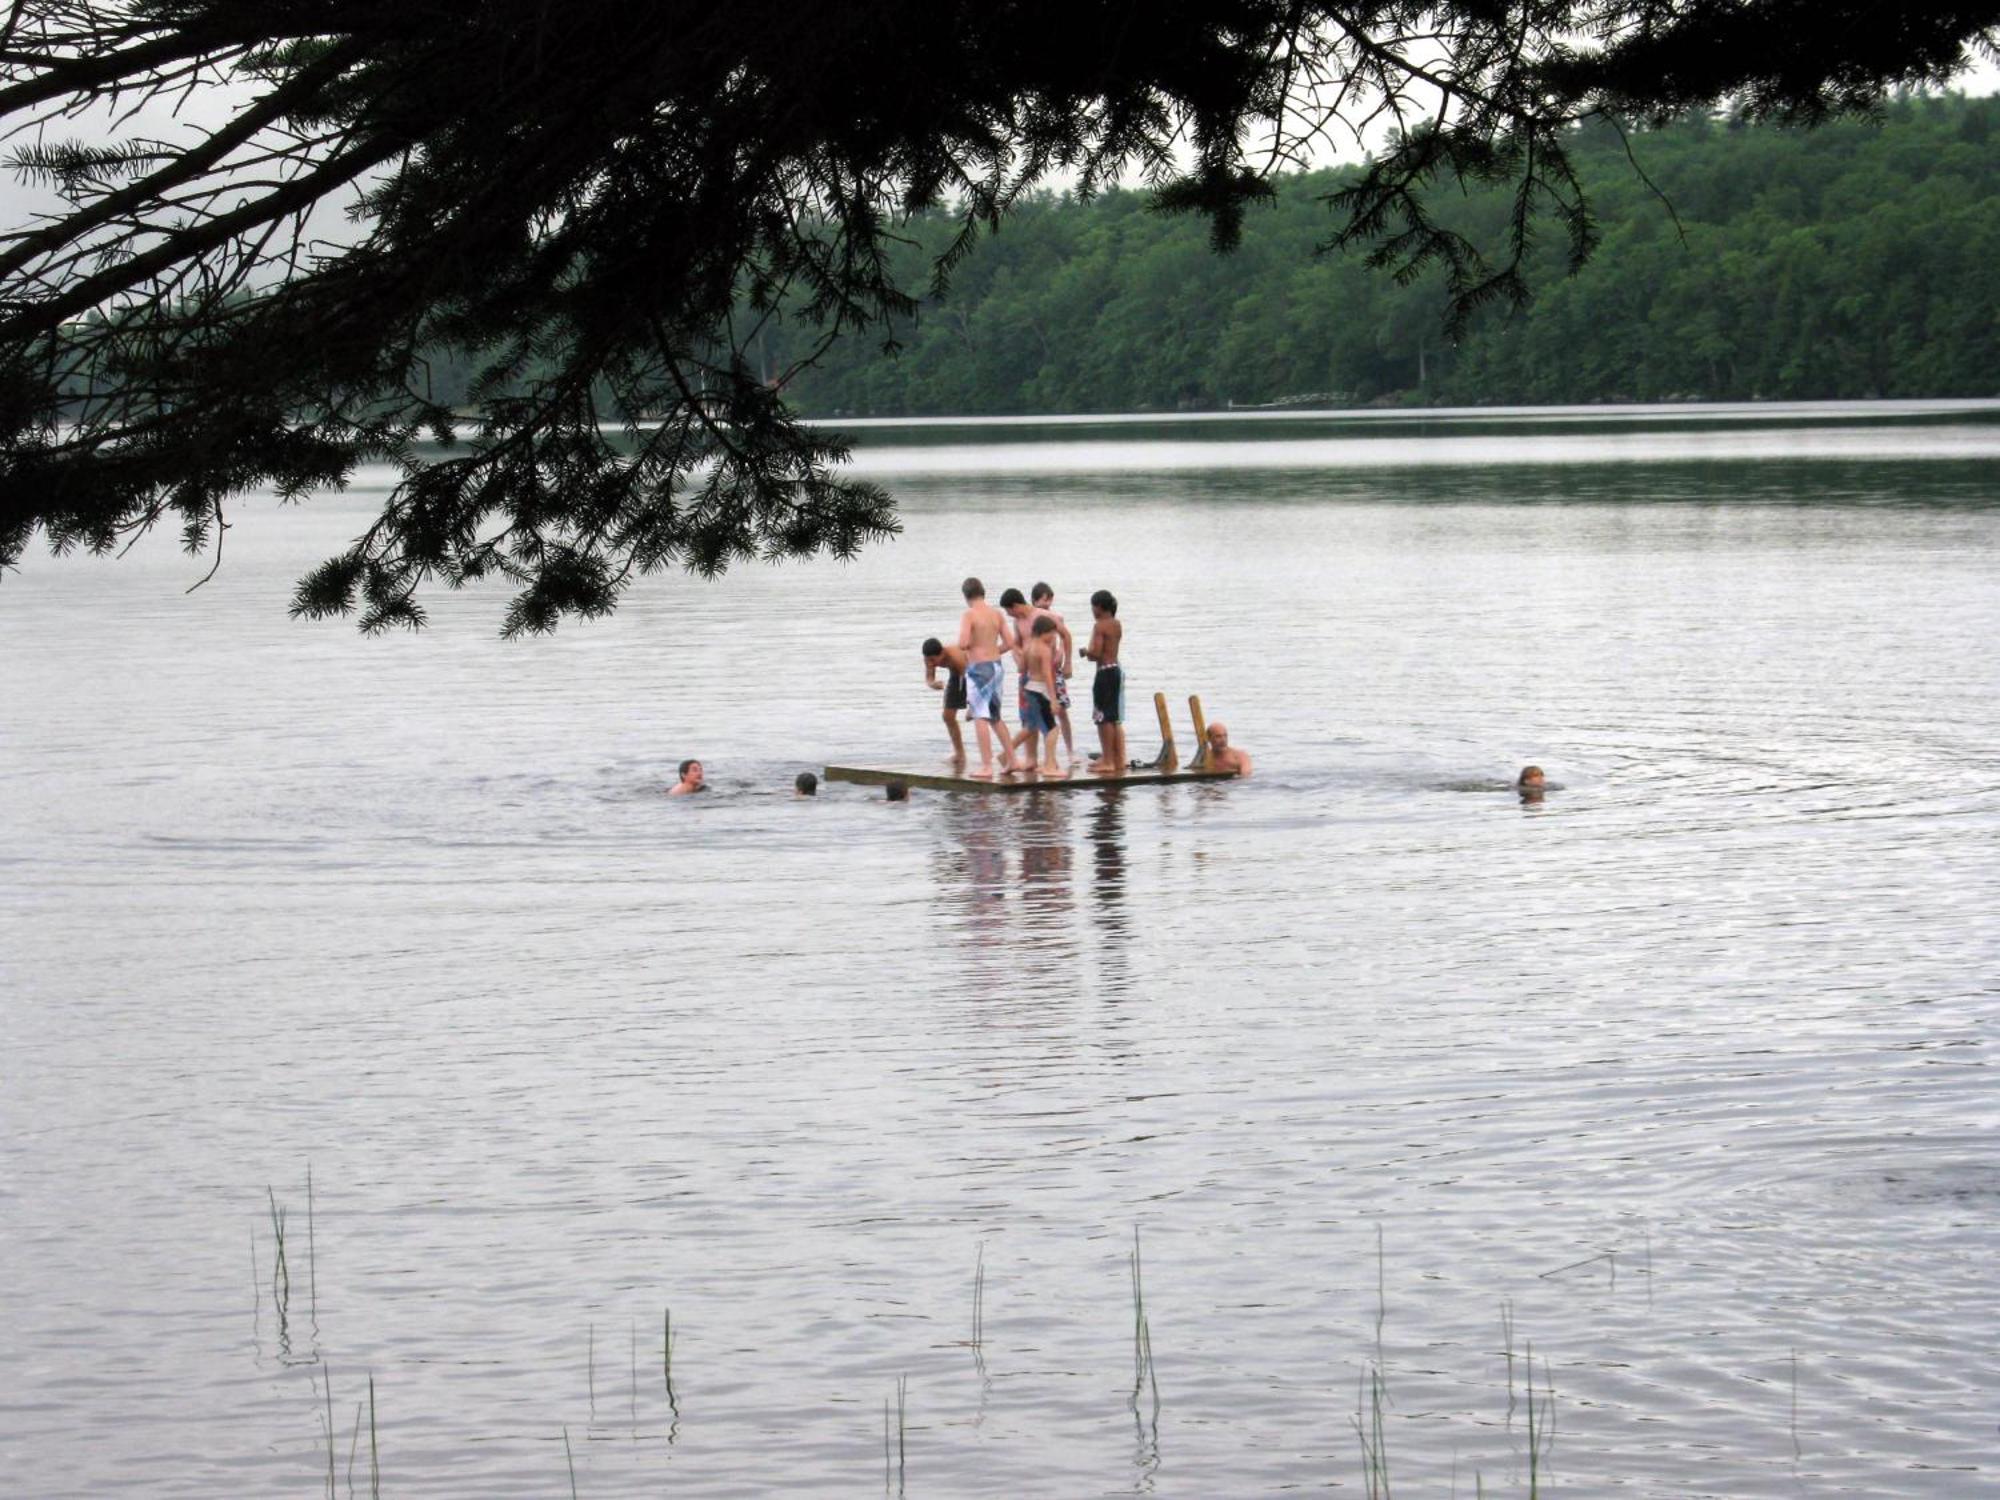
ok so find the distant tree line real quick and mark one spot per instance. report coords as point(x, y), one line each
point(1854, 260)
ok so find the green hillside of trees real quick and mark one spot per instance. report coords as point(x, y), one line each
point(1855, 260)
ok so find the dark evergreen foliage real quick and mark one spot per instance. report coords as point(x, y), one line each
point(602, 204)
point(1860, 259)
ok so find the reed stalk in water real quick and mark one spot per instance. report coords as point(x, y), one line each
point(979, 1299)
point(281, 1275)
point(1369, 1399)
point(1144, 1373)
point(667, 1358)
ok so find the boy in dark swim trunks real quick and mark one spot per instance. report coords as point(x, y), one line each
point(1038, 697)
point(937, 654)
point(1044, 600)
point(1107, 688)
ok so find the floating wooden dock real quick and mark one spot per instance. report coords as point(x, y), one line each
point(1164, 769)
point(1076, 781)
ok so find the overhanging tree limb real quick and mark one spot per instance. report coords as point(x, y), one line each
point(578, 197)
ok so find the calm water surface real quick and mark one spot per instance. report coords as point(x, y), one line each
point(1683, 1076)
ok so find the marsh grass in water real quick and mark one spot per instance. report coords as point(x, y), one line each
point(895, 1456)
point(278, 1217)
point(1529, 1385)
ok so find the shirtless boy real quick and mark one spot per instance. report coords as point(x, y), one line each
point(983, 634)
point(937, 654)
point(1107, 688)
point(1221, 757)
point(1044, 598)
point(1038, 698)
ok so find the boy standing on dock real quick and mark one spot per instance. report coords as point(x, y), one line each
point(937, 654)
point(1107, 688)
point(1044, 598)
point(983, 634)
point(1038, 696)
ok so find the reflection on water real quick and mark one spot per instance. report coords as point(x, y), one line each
point(1686, 1075)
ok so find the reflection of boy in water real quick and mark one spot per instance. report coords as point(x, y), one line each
point(937, 654)
point(1107, 688)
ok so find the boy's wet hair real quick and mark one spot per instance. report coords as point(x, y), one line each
point(972, 588)
point(1045, 626)
point(898, 791)
point(1102, 600)
point(1011, 598)
point(1040, 592)
point(932, 647)
point(806, 784)
point(692, 760)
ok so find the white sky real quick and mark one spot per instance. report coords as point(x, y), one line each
point(20, 200)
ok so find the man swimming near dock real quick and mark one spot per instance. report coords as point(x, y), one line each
point(983, 634)
point(1221, 757)
point(1107, 688)
point(953, 660)
point(1038, 697)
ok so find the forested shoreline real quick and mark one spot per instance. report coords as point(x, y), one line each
point(1856, 260)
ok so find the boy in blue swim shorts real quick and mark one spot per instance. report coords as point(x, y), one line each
point(983, 634)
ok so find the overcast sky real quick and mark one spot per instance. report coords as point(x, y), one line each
point(19, 201)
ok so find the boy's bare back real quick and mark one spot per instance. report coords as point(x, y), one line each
point(984, 632)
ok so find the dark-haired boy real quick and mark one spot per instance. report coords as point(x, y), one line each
point(1107, 688)
point(938, 654)
point(1044, 598)
point(1038, 698)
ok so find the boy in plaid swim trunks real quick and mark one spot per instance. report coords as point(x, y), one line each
point(983, 633)
point(1026, 617)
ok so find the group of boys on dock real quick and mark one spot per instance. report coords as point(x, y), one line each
point(1029, 630)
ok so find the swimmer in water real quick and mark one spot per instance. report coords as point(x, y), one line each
point(1220, 756)
point(897, 791)
point(691, 780)
point(1531, 784)
point(805, 784)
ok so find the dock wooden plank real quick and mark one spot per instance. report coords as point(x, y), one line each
point(933, 781)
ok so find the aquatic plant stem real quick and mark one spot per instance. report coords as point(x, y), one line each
point(329, 1435)
point(667, 1359)
point(312, 1249)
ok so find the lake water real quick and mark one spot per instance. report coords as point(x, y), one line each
point(1683, 1077)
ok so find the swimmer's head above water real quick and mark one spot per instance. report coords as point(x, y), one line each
point(1531, 779)
point(1221, 756)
